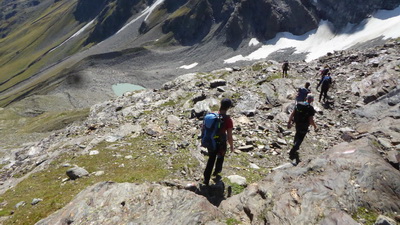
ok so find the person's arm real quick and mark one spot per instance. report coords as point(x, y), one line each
point(230, 138)
point(312, 122)
point(290, 122)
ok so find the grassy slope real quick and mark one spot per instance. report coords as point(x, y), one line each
point(26, 50)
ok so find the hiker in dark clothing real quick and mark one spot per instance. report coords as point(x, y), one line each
point(325, 85)
point(303, 92)
point(303, 117)
point(225, 134)
point(285, 68)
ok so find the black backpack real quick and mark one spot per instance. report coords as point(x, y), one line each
point(302, 113)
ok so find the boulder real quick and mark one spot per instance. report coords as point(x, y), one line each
point(127, 203)
point(77, 172)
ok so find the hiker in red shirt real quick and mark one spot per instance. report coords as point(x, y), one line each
point(224, 136)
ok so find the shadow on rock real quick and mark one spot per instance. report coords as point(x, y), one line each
point(214, 192)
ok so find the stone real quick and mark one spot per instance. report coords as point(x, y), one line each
point(246, 148)
point(385, 143)
point(254, 166)
point(173, 121)
point(19, 204)
point(77, 172)
point(99, 173)
point(113, 138)
point(94, 152)
point(153, 130)
point(236, 179)
point(384, 220)
point(36, 201)
point(217, 83)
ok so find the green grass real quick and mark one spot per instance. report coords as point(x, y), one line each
point(51, 121)
point(24, 49)
point(232, 221)
point(366, 215)
point(146, 165)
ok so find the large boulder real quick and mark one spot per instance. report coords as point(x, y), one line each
point(127, 203)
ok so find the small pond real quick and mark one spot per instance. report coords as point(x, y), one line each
point(120, 89)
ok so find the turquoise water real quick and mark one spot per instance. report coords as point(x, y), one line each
point(120, 89)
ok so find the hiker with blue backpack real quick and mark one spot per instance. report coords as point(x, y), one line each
point(303, 117)
point(216, 132)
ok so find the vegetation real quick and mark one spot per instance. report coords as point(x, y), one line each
point(368, 217)
point(127, 162)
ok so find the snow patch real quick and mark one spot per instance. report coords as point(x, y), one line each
point(189, 66)
point(146, 12)
point(316, 43)
point(74, 35)
point(254, 42)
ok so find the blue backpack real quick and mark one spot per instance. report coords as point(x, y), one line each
point(210, 131)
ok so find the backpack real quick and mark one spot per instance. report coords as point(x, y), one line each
point(326, 81)
point(210, 137)
point(301, 114)
point(285, 66)
point(302, 94)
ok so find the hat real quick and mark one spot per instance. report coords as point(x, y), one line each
point(226, 103)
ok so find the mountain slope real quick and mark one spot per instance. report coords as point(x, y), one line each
point(150, 138)
point(35, 55)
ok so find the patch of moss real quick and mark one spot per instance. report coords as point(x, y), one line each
point(367, 216)
point(232, 221)
point(274, 77)
point(257, 67)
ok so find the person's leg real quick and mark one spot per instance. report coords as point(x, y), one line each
point(209, 167)
point(298, 139)
point(320, 94)
point(325, 92)
point(218, 165)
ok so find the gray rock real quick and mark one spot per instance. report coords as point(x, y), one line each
point(113, 203)
point(246, 148)
point(339, 218)
point(217, 83)
point(173, 121)
point(385, 143)
point(77, 172)
point(384, 220)
point(236, 179)
point(19, 204)
point(36, 201)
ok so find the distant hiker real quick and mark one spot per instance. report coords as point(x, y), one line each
point(285, 68)
point(303, 92)
point(325, 83)
point(303, 117)
point(220, 127)
point(324, 71)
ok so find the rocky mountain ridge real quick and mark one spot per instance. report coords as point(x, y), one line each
point(148, 143)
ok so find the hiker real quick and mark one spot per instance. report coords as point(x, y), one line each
point(303, 117)
point(224, 134)
point(303, 92)
point(323, 72)
point(285, 68)
point(325, 85)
